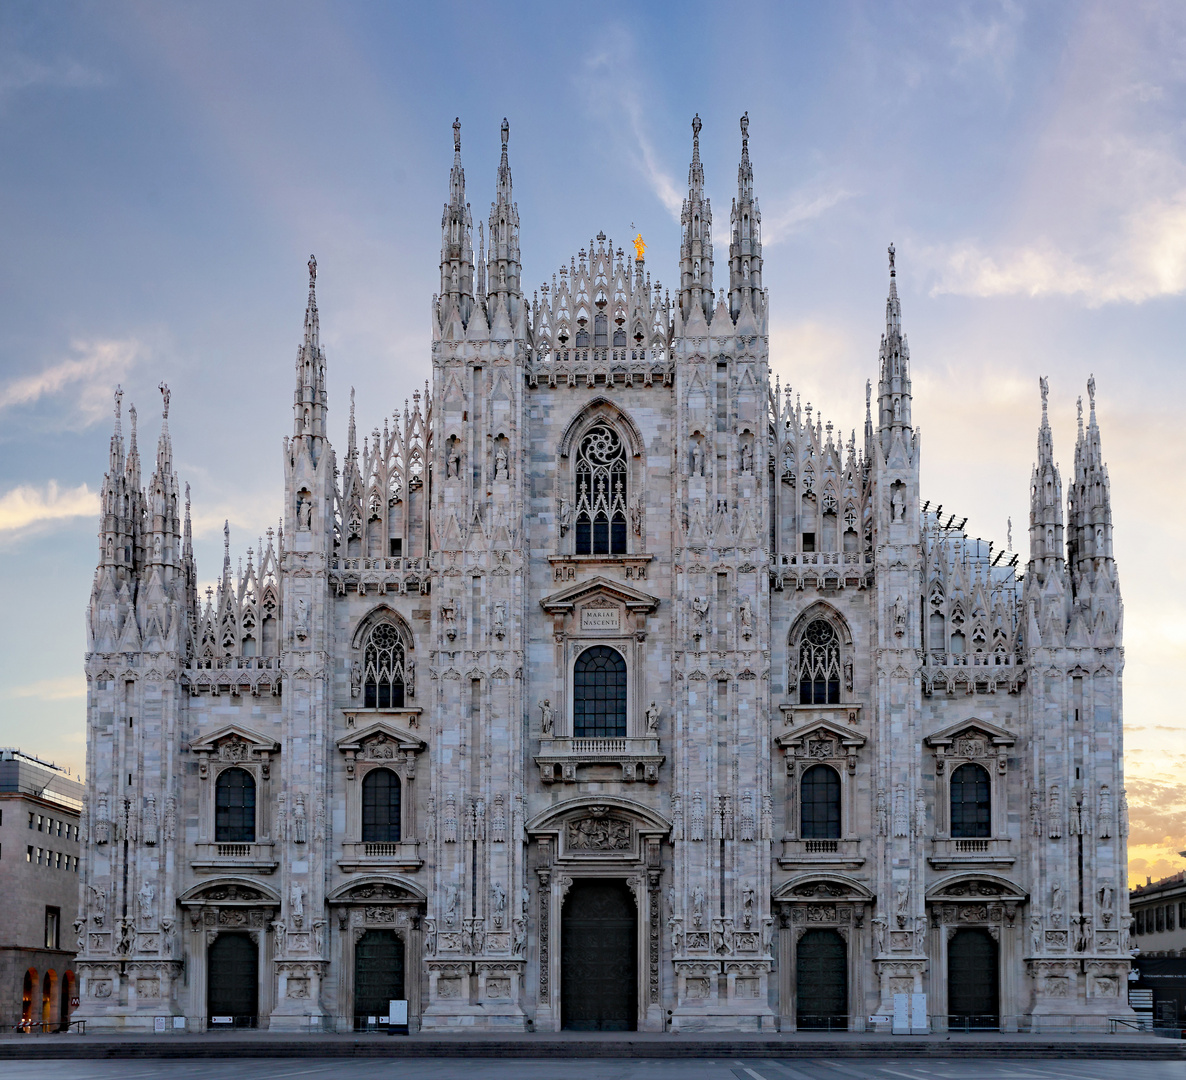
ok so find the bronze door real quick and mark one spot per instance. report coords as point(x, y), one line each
point(598, 957)
point(973, 992)
point(821, 981)
point(233, 980)
point(378, 974)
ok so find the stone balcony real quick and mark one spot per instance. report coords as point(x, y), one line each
point(229, 858)
point(379, 575)
point(947, 853)
point(818, 853)
point(374, 856)
point(626, 759)
point(821, 569)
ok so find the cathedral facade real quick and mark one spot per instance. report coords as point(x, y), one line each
point(605, 687)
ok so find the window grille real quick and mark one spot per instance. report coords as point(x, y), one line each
point(819, 803)
point(381, 807)
point(819, 665)
point(234, 802)
point(599, 694)
point(384, 668)
point(601, 493)
point(971, 802)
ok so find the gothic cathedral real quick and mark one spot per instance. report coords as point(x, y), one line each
point(605, 688)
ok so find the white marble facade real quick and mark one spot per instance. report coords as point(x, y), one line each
point(600, 466)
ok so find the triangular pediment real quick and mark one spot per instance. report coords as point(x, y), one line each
point(847, 737)
point(998, 735)
point(380, 739)
point(566, 599)
point(237, 733)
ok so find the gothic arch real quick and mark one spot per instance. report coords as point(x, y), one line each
point(383, 613)
point(230, 890)
point(601, 409)
point(821, 609)
point(828, 885)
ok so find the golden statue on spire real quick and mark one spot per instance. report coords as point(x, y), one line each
point(639, 248)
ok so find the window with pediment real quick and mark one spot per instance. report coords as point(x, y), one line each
point(819, 664)
point(971, 801)
point(234, 807)
point(599, 694)
point(381, 795)
point(601, 497)
point(819, 803)
point(383, 668)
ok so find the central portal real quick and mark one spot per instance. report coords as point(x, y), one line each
point(599, 957)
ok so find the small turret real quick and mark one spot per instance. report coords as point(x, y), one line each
point(1046, 528)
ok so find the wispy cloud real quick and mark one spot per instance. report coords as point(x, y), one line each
point(26, 506)
point(89, 375)
point(612, 80)
point(796, 209)
point(66, 688)
point(987, 37)
point(18, 72)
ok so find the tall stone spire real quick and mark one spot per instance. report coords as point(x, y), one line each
point(309, 404)
point(696, 248)
point(893, 388)
point(745, 246)
point(164, 523)
point(1046, 527)
point(504, 270)
point(1089, 509)
point(457, 249)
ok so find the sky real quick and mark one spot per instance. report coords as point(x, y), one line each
point(166, 169)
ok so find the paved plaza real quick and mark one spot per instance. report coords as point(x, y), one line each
point(602, 1069)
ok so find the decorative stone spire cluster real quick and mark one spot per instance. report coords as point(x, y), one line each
point(502, 272)
point(696, 248)
point(745, 246)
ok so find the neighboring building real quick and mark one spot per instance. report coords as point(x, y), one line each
point(39, 880)
point(1159, 916)
point(606, 687)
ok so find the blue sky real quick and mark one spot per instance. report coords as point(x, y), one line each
point(166, 169)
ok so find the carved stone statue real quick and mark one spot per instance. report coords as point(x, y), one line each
point(355, 678)
point(501, 469)
point(564, 515)
point(547, 717)
point(144, 899)
point(652, 718)
point(697, 456)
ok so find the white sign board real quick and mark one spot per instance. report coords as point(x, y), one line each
point(920, 1023)
point(601, 620)
point(179, 1022)
point(398, 1013)
point(158, 1023)
point(901, 1014)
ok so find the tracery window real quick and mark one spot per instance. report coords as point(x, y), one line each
point(383, 668)
point(234, 807)
point(599, 694)
point(971, 801)
point(819, 664)
point(381, 806)
point(601, 493)
point(819, 803)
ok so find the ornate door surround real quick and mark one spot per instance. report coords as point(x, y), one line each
point(607, 837)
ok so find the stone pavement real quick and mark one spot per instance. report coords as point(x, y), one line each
point(596, 1045)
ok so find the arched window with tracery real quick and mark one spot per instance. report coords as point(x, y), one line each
point(599, 694)
point(819, 664)
point(601, 493)
point(383, 668)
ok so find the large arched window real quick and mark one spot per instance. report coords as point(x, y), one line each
point(819, 803)
point(599, 694)
point(601, 493)
point(819, 664)
point(383, 668)
point(971, 801)
point(381, 806)
point(234, 807)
